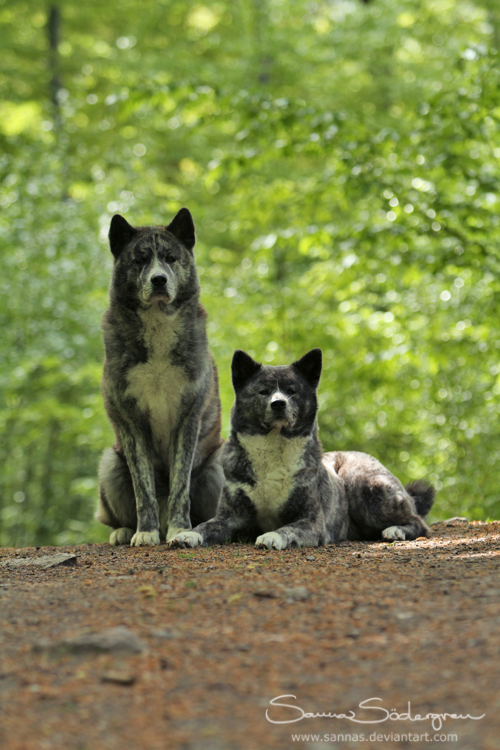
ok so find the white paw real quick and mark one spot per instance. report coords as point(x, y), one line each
point(186, 539)
point(121, 536)
point(271, 540)
point(173, 531)
point(394, 533)
point(145, 539)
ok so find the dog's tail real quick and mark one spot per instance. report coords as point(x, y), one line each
point(423, 494)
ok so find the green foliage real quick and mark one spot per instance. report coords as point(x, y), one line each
point(341, 161)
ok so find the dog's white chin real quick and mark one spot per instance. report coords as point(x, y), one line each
point(157, 299)
point(277, 424)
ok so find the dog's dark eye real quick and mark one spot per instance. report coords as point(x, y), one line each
point(264, 392)
point(169, 258)
point(291, 391)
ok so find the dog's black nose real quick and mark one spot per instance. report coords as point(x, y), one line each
point(159, 280)
point(278, 405)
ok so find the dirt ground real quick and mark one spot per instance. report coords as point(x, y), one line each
point(208, 638)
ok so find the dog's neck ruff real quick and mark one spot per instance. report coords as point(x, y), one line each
point(267, 452)
point(160, 331)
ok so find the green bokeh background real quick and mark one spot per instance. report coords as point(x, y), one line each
point(341, 161)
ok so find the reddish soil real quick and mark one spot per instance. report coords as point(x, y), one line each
point(408, 621)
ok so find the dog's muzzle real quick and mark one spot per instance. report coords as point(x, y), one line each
point(159, 291)
point(280, 414)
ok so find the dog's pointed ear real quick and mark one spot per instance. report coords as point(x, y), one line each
point(120, 233)
point(309, 366)
point(243, 367)
point(182, 227)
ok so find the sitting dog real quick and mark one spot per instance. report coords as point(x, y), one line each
point(281, 490)
point(160, 388)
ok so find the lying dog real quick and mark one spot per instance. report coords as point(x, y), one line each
point(160, 388)
point(281, 490)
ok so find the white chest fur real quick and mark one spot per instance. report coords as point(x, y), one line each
point(157, 385)
point(275, 461)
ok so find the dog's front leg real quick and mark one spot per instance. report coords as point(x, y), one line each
point(176, 516)
point(303, 533)
point(309, 531)
point(142, 472)
point(218, 530)
point(235, 515)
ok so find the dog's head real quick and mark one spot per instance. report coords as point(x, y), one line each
point(275, 398)
point(154, 264)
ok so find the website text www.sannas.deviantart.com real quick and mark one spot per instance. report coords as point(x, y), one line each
point(375, 737)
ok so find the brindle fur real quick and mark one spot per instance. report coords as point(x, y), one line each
point(280, 489)
point(160, 388)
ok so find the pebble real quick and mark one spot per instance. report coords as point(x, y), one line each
point(297, 594)
point(109, 640)
point(120, 677)
point(45, 561)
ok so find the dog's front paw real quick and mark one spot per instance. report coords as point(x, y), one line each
point(271, 540)
point(186, 539)
point(174, 531)
point(121, 536)
point(145, 539)
point(394, 533)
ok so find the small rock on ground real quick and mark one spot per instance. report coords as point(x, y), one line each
point(110, 640)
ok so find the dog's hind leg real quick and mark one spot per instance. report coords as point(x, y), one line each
point(379, 505)
point(116, 505)
point(412, 530)
point(386, 508)
point(419, 495)
point(394, 511)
